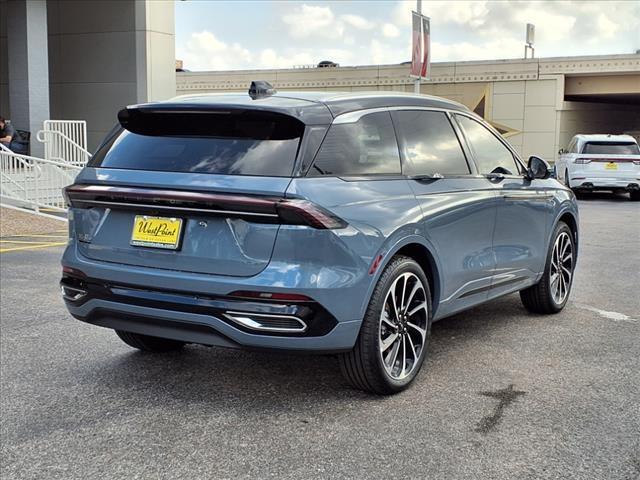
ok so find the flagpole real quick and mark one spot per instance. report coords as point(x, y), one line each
point(416, 82)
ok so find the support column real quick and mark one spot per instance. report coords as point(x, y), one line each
point(28, 65)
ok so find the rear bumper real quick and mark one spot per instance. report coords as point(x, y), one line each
point(164, 304)
point(604, 183)
point(205, 329)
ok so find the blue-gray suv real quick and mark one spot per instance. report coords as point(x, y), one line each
point(315, 222)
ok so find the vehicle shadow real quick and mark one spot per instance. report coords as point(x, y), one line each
point(273, 382)
point(608, 196)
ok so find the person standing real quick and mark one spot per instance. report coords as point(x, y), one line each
point(7, 132)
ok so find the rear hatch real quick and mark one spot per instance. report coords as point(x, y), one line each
point(610, 159)
point(188, 191)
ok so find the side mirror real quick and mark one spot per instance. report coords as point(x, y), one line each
point(562, 151)
point(538, 168)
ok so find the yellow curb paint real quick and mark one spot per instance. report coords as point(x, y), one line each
point(35, 235)
point(32, 247)
point(23, 241)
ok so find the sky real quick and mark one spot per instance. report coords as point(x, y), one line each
point(232, 35)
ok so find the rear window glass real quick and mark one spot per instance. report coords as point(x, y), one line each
point(611, 148)
point(217, 144)
point(366, 147)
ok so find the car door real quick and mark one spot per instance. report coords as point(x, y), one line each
point(458, 205)
point(523, 209)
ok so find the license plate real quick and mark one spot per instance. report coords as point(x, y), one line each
point(611, 166)
point(156, 232)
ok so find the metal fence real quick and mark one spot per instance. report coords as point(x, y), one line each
point(65, 141)
point(34, 183)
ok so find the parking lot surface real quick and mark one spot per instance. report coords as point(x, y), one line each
point(503, 394)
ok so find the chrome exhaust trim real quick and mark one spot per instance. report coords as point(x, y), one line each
point(263, 322)
point(73, 294)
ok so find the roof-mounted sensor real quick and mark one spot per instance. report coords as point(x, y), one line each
point(261, 89)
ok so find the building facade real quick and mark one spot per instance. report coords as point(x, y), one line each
point(83, 60)
point(538, 104)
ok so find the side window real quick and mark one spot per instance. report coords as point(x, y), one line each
point(430, 144)
point(490, 153)
point(365, 147)
point(572, 146)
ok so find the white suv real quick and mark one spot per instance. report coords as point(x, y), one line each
point(601, 162)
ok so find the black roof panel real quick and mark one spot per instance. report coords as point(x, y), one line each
point(312, 108)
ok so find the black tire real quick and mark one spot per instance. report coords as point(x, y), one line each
point(147, 343)
point(634, 196)
point(363, 366)
point(566, 179)
point(539, 297)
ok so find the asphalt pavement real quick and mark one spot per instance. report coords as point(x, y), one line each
point(503, 394)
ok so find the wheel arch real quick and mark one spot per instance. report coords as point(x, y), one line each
point(572, 222)
point(417, 248)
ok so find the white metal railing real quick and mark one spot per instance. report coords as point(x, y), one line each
point(65, 141)
point(34, 183)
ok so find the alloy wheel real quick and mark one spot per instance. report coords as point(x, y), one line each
point(403, 326)
point(561, 269)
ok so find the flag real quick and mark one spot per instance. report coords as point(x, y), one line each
point(416, 58)
point(425, 71)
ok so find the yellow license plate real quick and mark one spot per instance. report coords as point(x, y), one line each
point(611, 166)
point(157, 232)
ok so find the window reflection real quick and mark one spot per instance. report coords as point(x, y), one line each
point(489, 152)
point(430, 144)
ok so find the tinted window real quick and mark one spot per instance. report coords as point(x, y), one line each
point(367, 146)
point(489, 152)
point(225, 145)
point(611, 148)
point(430, 144)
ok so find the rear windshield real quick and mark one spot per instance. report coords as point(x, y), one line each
point(228, 144)
point(611, 148)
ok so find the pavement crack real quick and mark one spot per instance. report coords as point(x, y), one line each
point(505, 397)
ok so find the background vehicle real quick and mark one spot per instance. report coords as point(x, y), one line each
point(601, 162)
point(320, 222)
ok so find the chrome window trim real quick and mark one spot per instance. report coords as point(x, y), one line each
point(352, 117)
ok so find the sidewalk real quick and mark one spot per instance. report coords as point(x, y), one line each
point(14, 222)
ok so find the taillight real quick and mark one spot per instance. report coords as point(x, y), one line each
point(257, 208)
point(73, 272)
point(283, 297)
point(304, 212)
point(582, 161)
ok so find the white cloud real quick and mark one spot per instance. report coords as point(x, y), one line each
point(491, 50)
point(606, 27)
point(549, 26)
point(308, 20)
point(270, 59)
point(357, 21)
point(204, 51)
point(382, 53)
point(463, 12)
point(389, 30)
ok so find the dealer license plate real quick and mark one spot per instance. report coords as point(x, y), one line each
point(156, 232)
